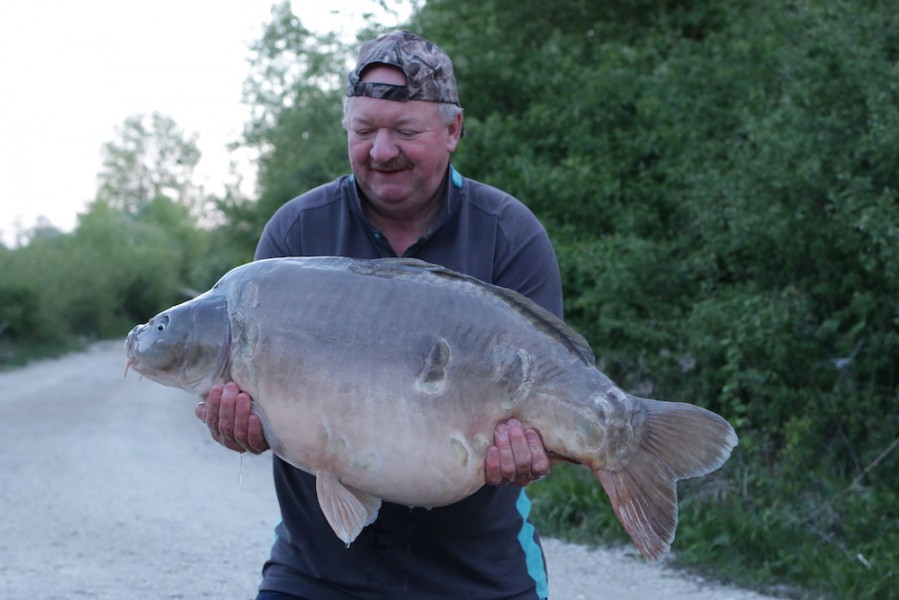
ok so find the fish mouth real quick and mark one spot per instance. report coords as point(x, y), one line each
point(131, 347)
point(181, 347)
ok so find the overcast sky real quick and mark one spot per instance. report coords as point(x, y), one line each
point(72, 71)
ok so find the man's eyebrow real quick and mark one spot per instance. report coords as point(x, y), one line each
point(400, 122)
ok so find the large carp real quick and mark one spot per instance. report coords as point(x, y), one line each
point(386, 378)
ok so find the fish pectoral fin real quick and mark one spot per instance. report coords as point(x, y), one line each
point(347, 510)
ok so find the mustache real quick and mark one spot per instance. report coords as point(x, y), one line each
point(396, 164)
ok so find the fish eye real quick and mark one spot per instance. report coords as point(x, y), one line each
point(160, 323)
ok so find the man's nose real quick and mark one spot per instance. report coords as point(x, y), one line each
point(383, 147)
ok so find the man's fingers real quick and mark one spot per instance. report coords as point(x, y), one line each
point(247, 426)
point(256, 442)
point(210, 410)
point(215, 412)
point(241, 417)
point(491, 469)
point(521, 451)
point(504, 447)
point(540, 463)
point(226, 413)
point(517, 456)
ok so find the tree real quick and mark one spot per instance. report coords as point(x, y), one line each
point(719, 180)
point(151, 159)
point(295, 87)
point(147, 176)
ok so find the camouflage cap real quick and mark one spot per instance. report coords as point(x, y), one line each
point(428, 70)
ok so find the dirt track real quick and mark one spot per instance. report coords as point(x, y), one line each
point(111, 489)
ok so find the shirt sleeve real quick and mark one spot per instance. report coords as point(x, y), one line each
point(273, 242)
point(526, 261)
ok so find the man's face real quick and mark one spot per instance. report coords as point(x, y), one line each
point(399, 151)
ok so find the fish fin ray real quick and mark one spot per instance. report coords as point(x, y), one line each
point(347, 510)
point(644, 498)
point(546, 322)
point(689, 439)
point(681, 441)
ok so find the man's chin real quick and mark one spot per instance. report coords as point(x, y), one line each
point(387, 192)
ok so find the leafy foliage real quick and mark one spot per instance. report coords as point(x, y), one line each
point(136, 250)
point(150, 160)
point(720, 184)
point(295, 86)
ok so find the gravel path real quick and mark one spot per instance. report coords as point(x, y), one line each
point(111, 489)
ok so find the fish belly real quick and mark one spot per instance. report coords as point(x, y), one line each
point(377, 445)
point(379, 420)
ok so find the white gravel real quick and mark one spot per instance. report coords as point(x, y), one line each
point(111, 489)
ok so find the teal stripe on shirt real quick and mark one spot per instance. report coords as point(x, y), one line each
point(532, 552)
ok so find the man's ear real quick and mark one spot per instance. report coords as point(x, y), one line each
point(456, 128)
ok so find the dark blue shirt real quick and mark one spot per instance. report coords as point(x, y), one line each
point(481, 547)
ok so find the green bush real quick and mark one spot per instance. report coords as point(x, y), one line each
point(113, 272)
point(720, 183)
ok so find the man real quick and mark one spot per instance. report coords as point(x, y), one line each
point(403, 122)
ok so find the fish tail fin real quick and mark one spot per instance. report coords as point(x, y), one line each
point(680, 441)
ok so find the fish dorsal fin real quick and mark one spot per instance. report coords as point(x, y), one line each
point(393, 267)
point(547, 322)
point(541, 318)
point(347, 510)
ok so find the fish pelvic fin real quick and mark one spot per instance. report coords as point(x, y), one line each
point(681, 441)
point(347, 510)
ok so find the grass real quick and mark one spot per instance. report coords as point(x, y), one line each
point(739, 527)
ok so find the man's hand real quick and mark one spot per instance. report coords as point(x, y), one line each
point(517, 456)
point(226, 411)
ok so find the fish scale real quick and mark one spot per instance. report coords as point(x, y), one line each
point(336, 351)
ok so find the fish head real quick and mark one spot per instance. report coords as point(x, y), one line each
point(186, 346)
